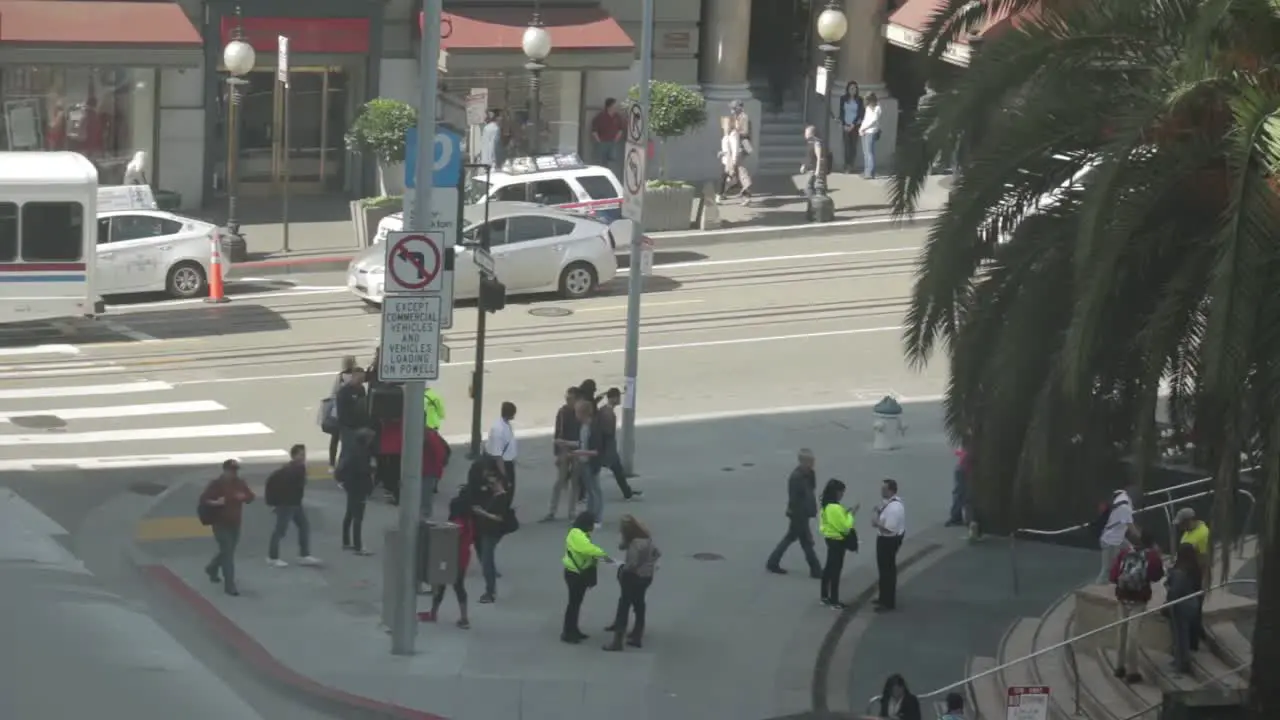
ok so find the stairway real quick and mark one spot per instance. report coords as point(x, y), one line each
point(780, 144)
point(1102, 696)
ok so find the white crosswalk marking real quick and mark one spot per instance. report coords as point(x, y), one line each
point(57, 414)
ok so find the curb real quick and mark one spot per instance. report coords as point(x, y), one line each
point(665, 241)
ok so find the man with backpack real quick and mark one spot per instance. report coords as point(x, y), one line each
point(1112, 527)
point(221, 508)
point(283, 494)
point(1135, 569)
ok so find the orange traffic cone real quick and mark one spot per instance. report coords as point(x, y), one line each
point(216, 295)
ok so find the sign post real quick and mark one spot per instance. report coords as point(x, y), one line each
point(282, 76)
point(1027, 703)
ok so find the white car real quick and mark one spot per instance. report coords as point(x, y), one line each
point(144, 250)
point(535, 249)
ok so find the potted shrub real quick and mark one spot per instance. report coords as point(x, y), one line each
point(366, 213)
point(380, 130)
point(674, 110)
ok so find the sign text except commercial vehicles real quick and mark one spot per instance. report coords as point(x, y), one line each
point(410, 338)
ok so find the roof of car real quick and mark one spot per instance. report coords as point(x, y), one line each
point(543, 167)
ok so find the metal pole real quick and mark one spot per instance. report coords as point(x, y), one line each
point(632, 364)
point(535, 115)
point(404, 629)
point(284, 195)
point(477, 374)
point(824, 128)
point(233, 171)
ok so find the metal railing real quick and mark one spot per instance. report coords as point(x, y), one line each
point(1167, 506)
point(1199, 686)
point(1069, 646)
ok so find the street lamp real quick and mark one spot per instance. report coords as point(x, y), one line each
point(537, 46)
point(832, 25)
point(239, 58)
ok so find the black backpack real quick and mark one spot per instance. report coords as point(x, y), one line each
point(1099, 524)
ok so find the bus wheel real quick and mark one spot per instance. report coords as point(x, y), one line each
point(187, 280)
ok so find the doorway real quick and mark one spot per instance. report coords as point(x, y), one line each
point(314, 158)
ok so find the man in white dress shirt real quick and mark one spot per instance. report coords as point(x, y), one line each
point(501, 446)
point(891, 525)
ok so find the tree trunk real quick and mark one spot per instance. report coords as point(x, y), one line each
point(1264, 691)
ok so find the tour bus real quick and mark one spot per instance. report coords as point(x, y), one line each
point(48, 210)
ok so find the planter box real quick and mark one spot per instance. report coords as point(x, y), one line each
point(391, 179)
point(364, 221)
point(668, 208)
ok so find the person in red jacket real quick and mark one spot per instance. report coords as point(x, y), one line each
point(390, 445)
point(224, 499)
point(435, 451)
point(1135, 569)
point(460, 515)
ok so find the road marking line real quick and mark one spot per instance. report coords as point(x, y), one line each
point(125, 330)
point(614, 308)
point(206, 460)
point(66, 372)
point(138, 434)
point(781, 258)
point(53, 365)
point(85, 390)
point(171, 528)
point(119, 411)
point(40, 350)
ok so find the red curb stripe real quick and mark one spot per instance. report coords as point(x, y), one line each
point(292, 262)
point(262, 660)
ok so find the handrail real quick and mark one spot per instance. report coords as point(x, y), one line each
point(1248, 520)
point(1069, 643)
point(1199, 686)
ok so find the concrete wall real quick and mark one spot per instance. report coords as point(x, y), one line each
point(180, 154)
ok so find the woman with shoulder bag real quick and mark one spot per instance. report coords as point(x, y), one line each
point(581, 557)
point(835, 522)
point(634, 578)
point(329, 410)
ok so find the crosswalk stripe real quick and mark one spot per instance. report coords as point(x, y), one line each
point(64, 372)
point(55, 365)
point(120, 411)
point(85, 390)
point(211, 459)
point(40, 350)
point(138, 434)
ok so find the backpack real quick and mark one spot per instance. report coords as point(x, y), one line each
point(1133, 572)
point(1099, 524)
point(208, 514)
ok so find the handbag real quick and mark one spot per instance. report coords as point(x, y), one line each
point(509, 522)
point(851, 541)
point(590, 576)
point(329, 415)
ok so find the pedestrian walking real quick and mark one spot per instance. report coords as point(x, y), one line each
point(564, 440)
point(869, 130)
point(1137, 566)
point(730, 155)
point(435, 453)
point(1112, 527)
point(502, 447)
point(460, 515)
point(608, 422)
point(817, 162)
point(835, 523)
point(221, 507)
point(1184, 580)
point(354, 476)
point(891, 527)
point(581, 573)
point(746, 147)
point(588, 456)
point(802, 506)
point(329, 410)
point(897, 701)
point(351, 404)
point(283, 494)
point(491, 504)
point(634, 578)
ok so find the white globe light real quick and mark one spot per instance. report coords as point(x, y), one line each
point(536, 43)
point(832, 25)
point(238, 57)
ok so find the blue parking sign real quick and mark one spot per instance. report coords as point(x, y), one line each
point(447, 170)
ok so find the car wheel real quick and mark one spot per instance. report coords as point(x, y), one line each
point(578, 280)
point(187, 280)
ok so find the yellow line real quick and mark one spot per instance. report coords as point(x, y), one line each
point(171, 528)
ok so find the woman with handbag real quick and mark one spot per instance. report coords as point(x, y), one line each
point(329, 410)
point(835, 522)
point(581, 558)
point(634, 577)
point(491, 508)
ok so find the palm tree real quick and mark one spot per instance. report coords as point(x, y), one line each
point(1115, 227)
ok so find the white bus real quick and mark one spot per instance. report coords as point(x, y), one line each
point(48, 233)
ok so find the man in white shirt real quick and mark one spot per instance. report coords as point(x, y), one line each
point(1115, 530)
point(891, 526)
point(501, 446)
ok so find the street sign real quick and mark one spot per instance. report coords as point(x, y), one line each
point(636, 130)
point(410, 347)
point(477, 106)
point(282, 59)
point(415, 262)
point(634, 163)
point(483, 260)
point(448, 159)
point(1027, 703)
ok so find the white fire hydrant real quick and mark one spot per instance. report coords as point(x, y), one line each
point(888, 427)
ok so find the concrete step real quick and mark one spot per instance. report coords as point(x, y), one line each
point(1102, 696)
point(1210, 668)
point(1233, 647)
point(985, 696)
point(1144, 695)
point(1051, 668)
point(1157, 669)
point(1019, 642)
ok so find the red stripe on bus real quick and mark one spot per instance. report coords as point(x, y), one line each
point(42, 267)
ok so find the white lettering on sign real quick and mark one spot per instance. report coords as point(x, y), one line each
point(410, 348)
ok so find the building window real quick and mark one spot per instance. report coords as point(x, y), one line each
point(52, 231)
point(106, 114)
point(8, 232)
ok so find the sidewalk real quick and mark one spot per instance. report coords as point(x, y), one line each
point(323, 242)
point(726, 640)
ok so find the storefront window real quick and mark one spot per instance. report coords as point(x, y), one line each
point(106, 114)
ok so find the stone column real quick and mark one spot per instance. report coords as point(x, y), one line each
point(726, 35)
point(862, 61)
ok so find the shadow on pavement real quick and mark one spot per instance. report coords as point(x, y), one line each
point(209, 320)
point(662, 257)
point(233, 288)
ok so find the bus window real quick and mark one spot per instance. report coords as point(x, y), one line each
point(8, 232)
point(52, 231)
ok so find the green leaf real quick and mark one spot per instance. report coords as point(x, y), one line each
point(381, 128)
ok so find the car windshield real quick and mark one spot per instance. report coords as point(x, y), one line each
point(476, 191)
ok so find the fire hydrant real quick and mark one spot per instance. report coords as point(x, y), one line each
point(888, 427)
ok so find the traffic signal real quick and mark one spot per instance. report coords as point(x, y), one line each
point(493, 294)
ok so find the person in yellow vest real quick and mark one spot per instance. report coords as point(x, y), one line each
point(835, 522)
point(1195, 532)
point(581, 558)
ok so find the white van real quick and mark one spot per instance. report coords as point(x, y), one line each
point(48, 203)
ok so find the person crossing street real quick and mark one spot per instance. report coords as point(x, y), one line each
point(802, 507)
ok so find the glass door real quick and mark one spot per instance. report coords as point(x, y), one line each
point(312, 152)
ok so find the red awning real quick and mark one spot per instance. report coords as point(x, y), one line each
point(501, 29)
point(161, 25)
point(907, 23)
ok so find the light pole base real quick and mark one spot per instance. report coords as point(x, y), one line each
point(820, 209)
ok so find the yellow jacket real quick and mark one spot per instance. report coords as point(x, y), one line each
point(580, 553)
point(835, 522)
point(1197, 537)
point(433, 405)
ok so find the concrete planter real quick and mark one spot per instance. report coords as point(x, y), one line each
point(668, 208)
point(364, 221)
point(391, 178)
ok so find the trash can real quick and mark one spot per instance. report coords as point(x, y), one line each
point(438, 552)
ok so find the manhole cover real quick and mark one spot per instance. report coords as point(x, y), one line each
point(550, 312)
point(39, 422)
point(707, 556)
point(148, 488)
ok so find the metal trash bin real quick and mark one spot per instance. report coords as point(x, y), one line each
point(438, 552)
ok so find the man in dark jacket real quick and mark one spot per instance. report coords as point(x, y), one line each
point(802, 506)
point(564, 440)
point(283, 494)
